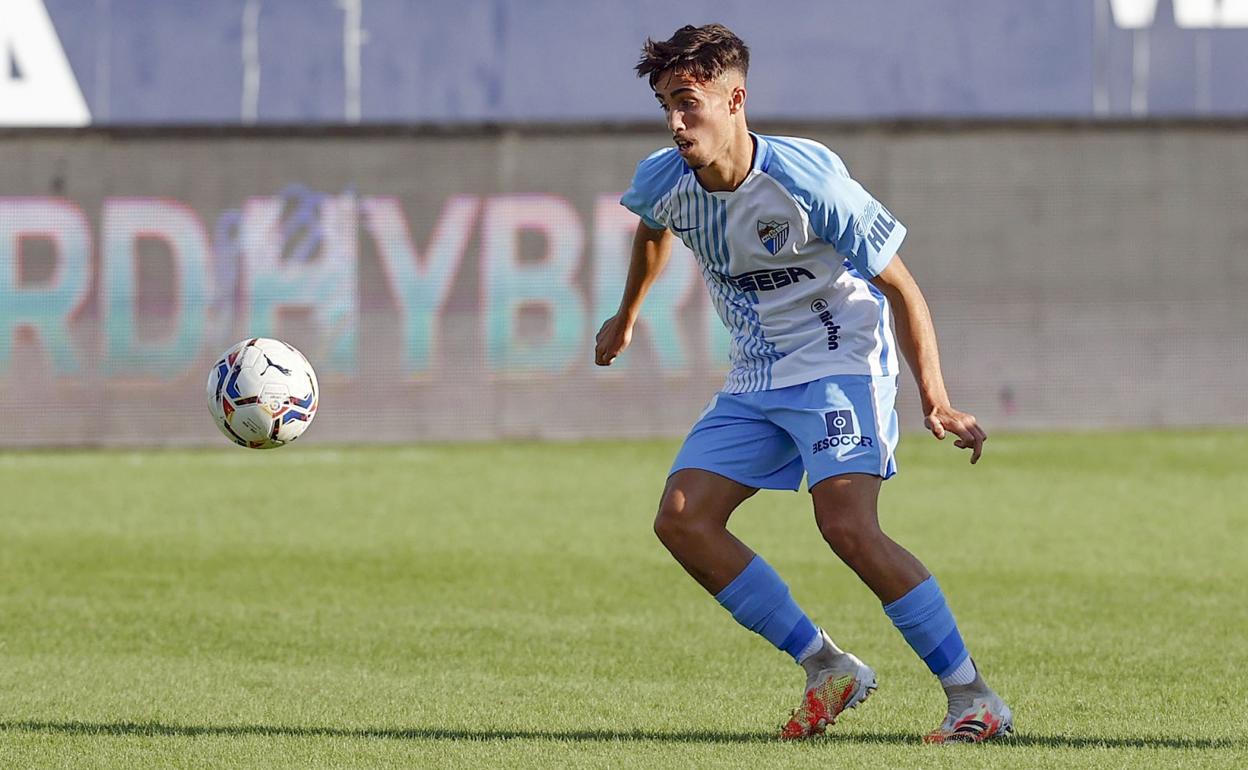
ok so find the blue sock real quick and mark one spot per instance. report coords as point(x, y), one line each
point(759, 600)
point(925, 621)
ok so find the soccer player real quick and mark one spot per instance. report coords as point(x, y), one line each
point(802, 266)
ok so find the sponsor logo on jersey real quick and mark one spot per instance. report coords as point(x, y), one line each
point(820, 308)
point(842, 431)
point(832, 328)
point(881, 227)
point(875, 224)
point(774, 235)
point(866, 217)
point(769, 279)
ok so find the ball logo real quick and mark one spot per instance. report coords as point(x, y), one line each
point(273, 398)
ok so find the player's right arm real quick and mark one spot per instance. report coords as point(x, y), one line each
point(651, 248)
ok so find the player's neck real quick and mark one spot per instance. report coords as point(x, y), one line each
point(729, 171)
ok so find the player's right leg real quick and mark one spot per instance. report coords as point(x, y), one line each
point(731, 453)
point(692, 524)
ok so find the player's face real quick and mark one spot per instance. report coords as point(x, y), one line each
point(699, 114)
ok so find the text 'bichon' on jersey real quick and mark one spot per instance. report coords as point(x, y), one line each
point(786, 257)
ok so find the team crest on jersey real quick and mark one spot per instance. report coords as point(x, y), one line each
point(774, 235)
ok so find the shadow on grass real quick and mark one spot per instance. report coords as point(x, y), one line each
point(590, 736)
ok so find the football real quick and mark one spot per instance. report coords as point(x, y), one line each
point(262, 393)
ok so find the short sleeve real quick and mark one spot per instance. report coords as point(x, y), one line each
point(655, 176)
point(841, 211)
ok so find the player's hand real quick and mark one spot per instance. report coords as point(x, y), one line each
point(945, 419)
point(613, 337)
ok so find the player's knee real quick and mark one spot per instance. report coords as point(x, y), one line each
point(849, 536)
point(664, 528)
point(677, 521)
point(670, 523)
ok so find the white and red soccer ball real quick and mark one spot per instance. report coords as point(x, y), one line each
point(262, 393)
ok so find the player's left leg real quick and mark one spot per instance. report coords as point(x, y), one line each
point(846, 429)
point(847, 515)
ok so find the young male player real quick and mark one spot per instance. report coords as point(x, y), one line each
point(802, 266)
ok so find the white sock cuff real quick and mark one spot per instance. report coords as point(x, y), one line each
point(963, 674)
point(813, 646)
point(821, 641)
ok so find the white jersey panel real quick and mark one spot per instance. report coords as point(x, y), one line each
point(783, 257)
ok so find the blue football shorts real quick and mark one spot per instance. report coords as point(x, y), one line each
point(767, 439)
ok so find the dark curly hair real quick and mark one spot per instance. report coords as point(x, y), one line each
point(704, 52)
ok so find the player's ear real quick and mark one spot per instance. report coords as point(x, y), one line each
point(736, 99)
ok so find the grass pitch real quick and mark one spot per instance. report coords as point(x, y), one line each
point(507, 606)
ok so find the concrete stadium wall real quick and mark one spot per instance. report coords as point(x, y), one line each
point(449, 285)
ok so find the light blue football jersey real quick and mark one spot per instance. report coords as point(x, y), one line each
point(786, 257)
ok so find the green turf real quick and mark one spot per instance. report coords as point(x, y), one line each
point(508, 606)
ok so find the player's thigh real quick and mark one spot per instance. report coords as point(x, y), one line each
point(847, 501)
point(735, 440)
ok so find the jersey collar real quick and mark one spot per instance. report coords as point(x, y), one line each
point(762, 153)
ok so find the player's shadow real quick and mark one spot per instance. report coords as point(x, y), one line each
point(591, 736)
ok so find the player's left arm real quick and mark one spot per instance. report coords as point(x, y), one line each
point(917, 337)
